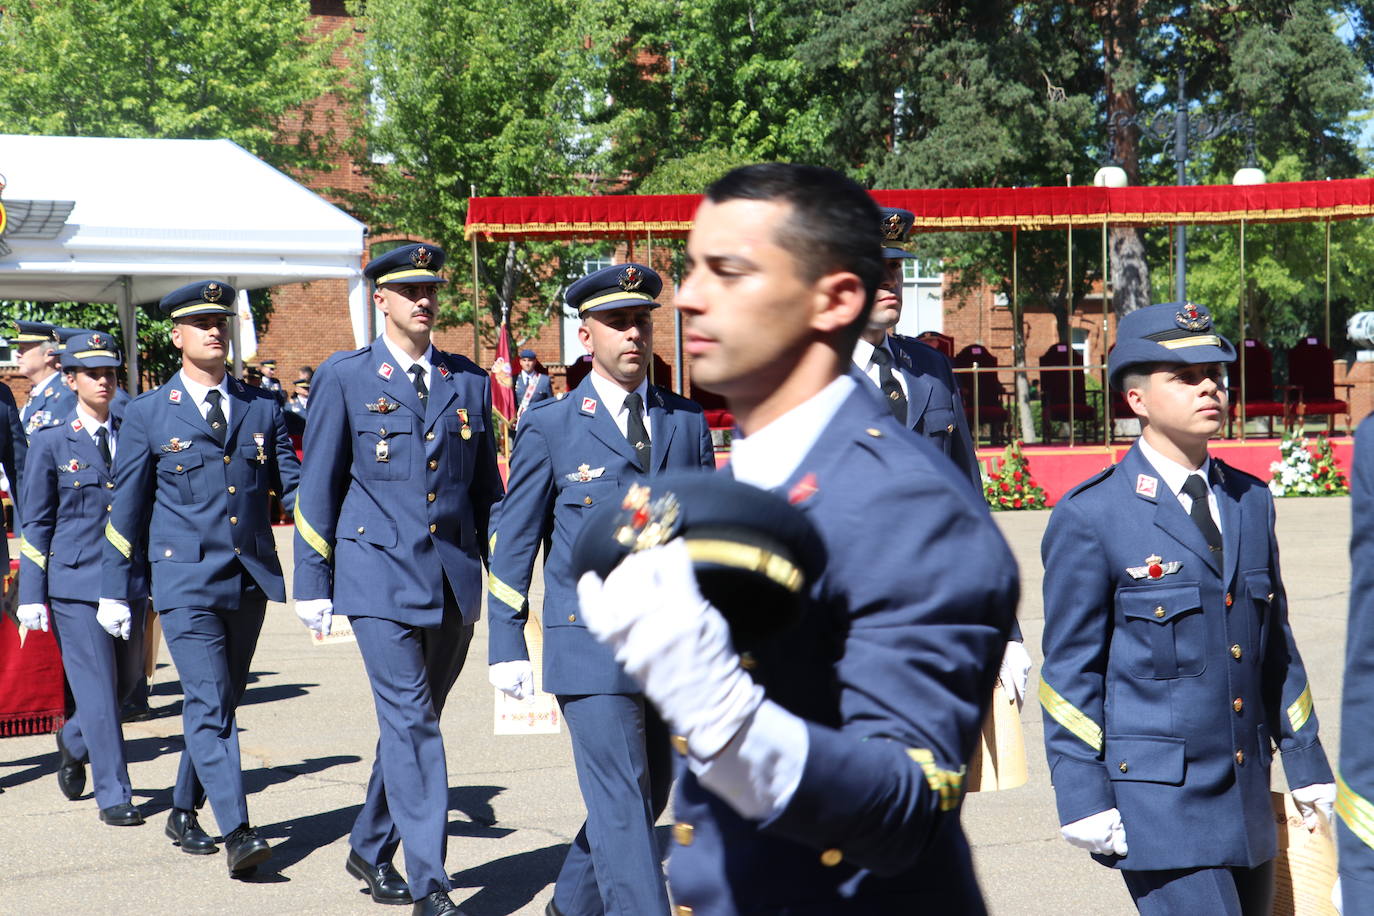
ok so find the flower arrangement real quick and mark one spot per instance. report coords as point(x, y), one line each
point(1011, 485)
point(1302, 472)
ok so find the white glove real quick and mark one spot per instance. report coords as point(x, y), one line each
point(33, 616)
point(515, 678)
point(114, 617)
point(1014, 674)
point(1318, 797)
point(315, 613)
point(1102, 833)
point(674, 644)
point(1336, 900)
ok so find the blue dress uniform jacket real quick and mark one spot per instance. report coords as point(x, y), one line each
point(396, 496)
point(202, 507)
point(48, 405)
point(543, 389)
point(892, 667)
point(569, 458)
point(67, 497)
point(1355, 799)
point(14, 448)
point(1168, 679)
point(935, 408)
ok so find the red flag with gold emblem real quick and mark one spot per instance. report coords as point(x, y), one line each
point(502, 385)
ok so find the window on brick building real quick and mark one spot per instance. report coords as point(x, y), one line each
point(922, 297)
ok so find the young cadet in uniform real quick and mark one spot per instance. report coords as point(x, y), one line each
point(572, 455)
point(49, 398)
point(923, 396)
point(198, 459)
point(838, 792)
point(1170, 670)
point(396, 495)
point(531, 386)
point(1355, 801)
point(66, 502)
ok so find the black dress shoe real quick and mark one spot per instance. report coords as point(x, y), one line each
point(186, 833)
point(71, 773)
point(246, 851)
point(436, 904)
point(125, 815)
point(383, 882)
point(135, 712)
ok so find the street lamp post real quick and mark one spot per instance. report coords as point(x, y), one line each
point(1179, 129)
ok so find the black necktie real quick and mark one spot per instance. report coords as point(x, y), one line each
point(1196, 488)
point(215, 416)
point(635, 431)
point(888, 382)
point(417, 372)
point(102, 443)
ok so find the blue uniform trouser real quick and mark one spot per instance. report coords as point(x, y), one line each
point(411, 670)
point(1221, 891)
point(213, 649)
point(625, 769)
point(100, 670)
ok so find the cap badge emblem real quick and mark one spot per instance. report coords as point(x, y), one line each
point(421, 257)
point(97, 341)
point(631, 278)
point(892, 228)
point(212, 292)
point(644, 521)
point(1191, 318)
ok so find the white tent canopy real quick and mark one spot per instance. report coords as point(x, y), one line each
point(151, 215)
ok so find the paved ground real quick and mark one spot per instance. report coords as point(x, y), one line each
point(308, 736)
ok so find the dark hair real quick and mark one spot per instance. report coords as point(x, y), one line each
point(834, 225)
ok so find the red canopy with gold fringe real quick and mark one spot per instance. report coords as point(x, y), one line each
point(629, 216)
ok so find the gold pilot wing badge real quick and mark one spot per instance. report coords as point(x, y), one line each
point(176, 445)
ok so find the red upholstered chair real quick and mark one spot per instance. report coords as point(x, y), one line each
point(992, 396)
point(718, 415)
point(1063, 395)
point(937, 341)
point(1312, 373)
point(1262, 398)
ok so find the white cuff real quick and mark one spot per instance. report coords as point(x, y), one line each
point(758, 772)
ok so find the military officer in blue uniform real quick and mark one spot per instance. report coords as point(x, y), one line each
point(531, 386)
point(1170, 670)
point(198, 458)
point(49, 397)
point(66, 501)
point(572, 455)
point(1355, 799)
point(824, 774)
point(392, 519)
point(64, 337)
point(918, 384)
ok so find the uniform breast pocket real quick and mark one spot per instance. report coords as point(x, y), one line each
point(185, 472)
point(463, 430)
point(938, 423)
point(382, 446)
point(78, 487)
point(1164, 633)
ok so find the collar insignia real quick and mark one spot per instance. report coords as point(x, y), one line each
point(585, 473)
point(1145, 485)
point(1190, 318)
point(385, 371)
point(382, 405)
point(589, 405)
point(47, 392)
point(76, 426)
point(443, 370)
point(176, 445)
point(174, 396)
point(1154, 568)
point(802, 490)
point(644, 521)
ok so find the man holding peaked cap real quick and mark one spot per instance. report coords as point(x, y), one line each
point(571, 456)
point(66, 501)
point(198, 458)
point(1170, 669)
point(396, 493)
point(824, 771)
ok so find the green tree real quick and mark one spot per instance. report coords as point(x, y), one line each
point(241, 70)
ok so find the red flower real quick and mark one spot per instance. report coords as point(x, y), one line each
point(1017, 475)
point(1317, 475)
point(1006, 487)
point(1016, 503)
point(1330, 485)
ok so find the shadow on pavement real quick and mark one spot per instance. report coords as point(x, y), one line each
point(510, 883)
